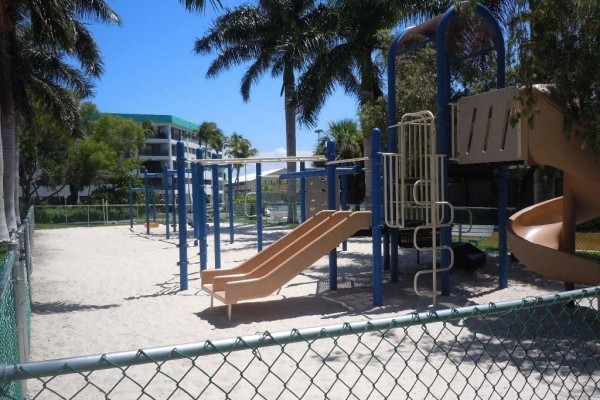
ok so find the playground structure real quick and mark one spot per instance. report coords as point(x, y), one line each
point(150, 200)
point(412, 175)
point(543, 236)
point(276, 265)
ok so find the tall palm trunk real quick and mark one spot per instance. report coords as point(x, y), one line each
point(7, 113)
point(17, 183)
point(9, 123)
point(4, 233)
point(289, 87)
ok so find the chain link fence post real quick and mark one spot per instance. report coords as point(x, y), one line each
point(18, 278)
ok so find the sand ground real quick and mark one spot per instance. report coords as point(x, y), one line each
point(106, 289)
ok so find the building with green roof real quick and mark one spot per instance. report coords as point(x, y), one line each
point(160, 148)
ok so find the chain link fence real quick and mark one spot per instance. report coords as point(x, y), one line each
point(274, 212)
point(535, 348)
point(15, 303)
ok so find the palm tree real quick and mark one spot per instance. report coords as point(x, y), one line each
point(348, 139)
point(209, 133)
point(199, 5)
point(49, 90)
point(239, 147)
point(276, 37)
point(56, 27)
point(349, 61)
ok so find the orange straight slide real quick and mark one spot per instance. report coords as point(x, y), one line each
point(543, 235)
point(278, 263)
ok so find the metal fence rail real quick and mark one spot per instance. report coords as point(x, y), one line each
point(544, 347)
point(15, 302)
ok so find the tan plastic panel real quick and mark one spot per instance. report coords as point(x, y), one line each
point(316, 195)
point(538, 233)
point(484, 132)
point(208, 276)
point(290, 260)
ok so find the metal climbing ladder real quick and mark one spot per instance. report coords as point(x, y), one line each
point(413, 195)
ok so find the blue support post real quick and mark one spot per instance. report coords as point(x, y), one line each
point(202, 220)
point(394, 264)
point(173, 180)
point(230, 201)
point(444, 136)
point(147, 202)
point(195, 199)
point(181, 196)
point(386, 250)
point(154, 204)
point(344, 205)
point(502, 218)
point(259, 210)
point(167, 200)
point(331, 205)
point(377, 225)
point(131, 207)
point(216, 212)
point(302, 193)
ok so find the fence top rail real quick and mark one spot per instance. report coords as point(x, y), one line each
point(39, 369)
point(218, 161)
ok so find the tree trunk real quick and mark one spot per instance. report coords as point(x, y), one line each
point(9, 133)
point(17, 183)
point(4, 235)
point(8, 122)
point(289, 85)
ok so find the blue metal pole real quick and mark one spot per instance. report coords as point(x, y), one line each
point(154, 195)
point(230, 201)
point(444, 136)
point(196, 198)
point(173, 180)
point(302, 193)
point(203, 235)
point(131, 207)
point(216, 212)
point(167, 199)
point(147, 202)
point(498, 40)
point(377, 225)
point(386, 250)
point(259, 210)
point(502, 218)
point(344, 187)
point(181, 196)
point(331, 205)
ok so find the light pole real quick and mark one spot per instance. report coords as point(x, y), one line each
point(318, 132)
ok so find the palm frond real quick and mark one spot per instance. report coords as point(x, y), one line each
point(199, 5)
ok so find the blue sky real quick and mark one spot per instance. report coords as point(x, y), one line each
point(150, 68)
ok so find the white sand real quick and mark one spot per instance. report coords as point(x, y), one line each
point(98, 290)
point(106, 289)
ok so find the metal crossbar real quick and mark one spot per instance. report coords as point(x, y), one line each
point(542, 347)
point(257, 160)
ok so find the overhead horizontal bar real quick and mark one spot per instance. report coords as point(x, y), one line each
point(319, 172)
point(349, 160)
point(257, 160)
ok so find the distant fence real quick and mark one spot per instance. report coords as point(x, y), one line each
point(108, 214)
point(472, 224)
point(15, 303)
point(535, 348)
